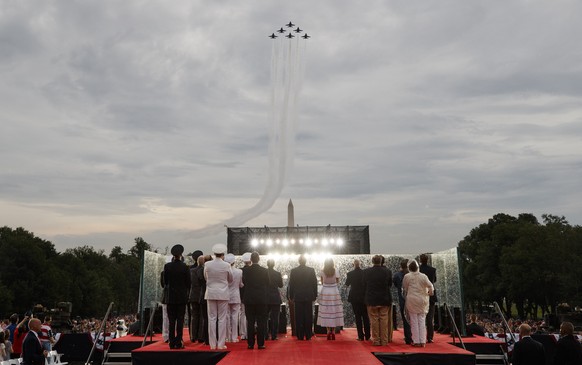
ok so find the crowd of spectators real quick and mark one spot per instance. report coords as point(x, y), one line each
point(495, 325)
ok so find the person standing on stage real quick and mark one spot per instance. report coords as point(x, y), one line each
point(177, 282)
point(303, 292)
point(194, 313)
point(242, 325)
point(32, 352)
point(430, 272)
point(356, 298)
point(331, 309)
point(417, 289)
point(377, 282)
point(218, 275)
point(233, 301)
point(397, 279)
point(203, 336)
point(274, 298)
point(256, 282)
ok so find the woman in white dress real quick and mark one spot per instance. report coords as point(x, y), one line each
point(417, 288)
point(331, 309)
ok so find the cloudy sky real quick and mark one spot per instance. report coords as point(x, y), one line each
point(421, 119)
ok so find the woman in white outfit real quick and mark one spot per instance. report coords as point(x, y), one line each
point(417, 288)
point(234, 301)
point(331, 309)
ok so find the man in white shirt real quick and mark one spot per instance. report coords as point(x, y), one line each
point(234, 301)
point(218, 275)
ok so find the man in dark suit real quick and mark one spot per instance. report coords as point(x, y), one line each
point(473, 328)
point(377, 282)
point(527, 351)
point(568, 350)
point(194, 311)
point(429, 271)
point(177, 280)
point(32, 352)
point(256, 281)
point(303, 292)
point(397, 278)
point(354, 280)
point(274, 298)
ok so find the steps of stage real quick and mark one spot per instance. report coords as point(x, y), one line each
point(117, 358)
point(489, 359)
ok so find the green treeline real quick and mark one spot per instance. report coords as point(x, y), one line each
point(522, 264)
point(33, 272)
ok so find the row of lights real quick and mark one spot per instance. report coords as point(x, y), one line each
point(255, 242)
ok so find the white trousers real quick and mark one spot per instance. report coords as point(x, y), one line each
point(242, 325)
point(165, 323)
point(217, 311)
point(232, 322)
point(418, 327)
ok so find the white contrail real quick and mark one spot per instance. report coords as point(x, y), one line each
point(287, 70)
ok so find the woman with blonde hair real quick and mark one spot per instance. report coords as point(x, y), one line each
point(331, 310)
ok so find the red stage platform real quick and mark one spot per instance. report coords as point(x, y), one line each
point(287, 350)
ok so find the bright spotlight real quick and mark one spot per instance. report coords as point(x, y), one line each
point(308, 242)
point(324, 242)
point(285, 242)
point(262, 241)
point(331, 240)
point(316, 241)
point(340, 242)
point(301, 240)
point(269, 242)
point(255, 242)
point(277, 241)
point(292, 241)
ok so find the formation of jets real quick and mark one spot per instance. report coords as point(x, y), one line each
point(290, 34)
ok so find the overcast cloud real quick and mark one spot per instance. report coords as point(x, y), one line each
point(421, 119)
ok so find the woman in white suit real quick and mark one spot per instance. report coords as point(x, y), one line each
point(218, 275)
point(417, 288)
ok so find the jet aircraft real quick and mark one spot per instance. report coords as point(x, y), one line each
point(290, 25)
point(290, 35)
point(273, 36)
point(298, 30)
point(305, 36)
point(281, 30)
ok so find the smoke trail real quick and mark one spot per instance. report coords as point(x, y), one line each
point(287, 70)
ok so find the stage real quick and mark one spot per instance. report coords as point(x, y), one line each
point(288, 350)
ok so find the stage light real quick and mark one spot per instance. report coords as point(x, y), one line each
point(340, 242)
point(308, 242)
point(262, 241)
point(301, 240)
point(269, 242)
point(277, 241)
point(316, 241)
point(292, 241)
point(255, 242)
point(324, 242)
point(331, 240)
point(285, 242)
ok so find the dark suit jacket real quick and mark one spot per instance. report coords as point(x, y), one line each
point(475, 329)
point(275, 282)
point(177, 278)
point(195, 285)
point(32, 350)
point(528, 351)
point(431, 273)
point(302, 284)
point(568, 351)
point(355, 281)
point(255, 280)
point(377, 282)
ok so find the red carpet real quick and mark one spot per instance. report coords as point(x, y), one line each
point(344, 350)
